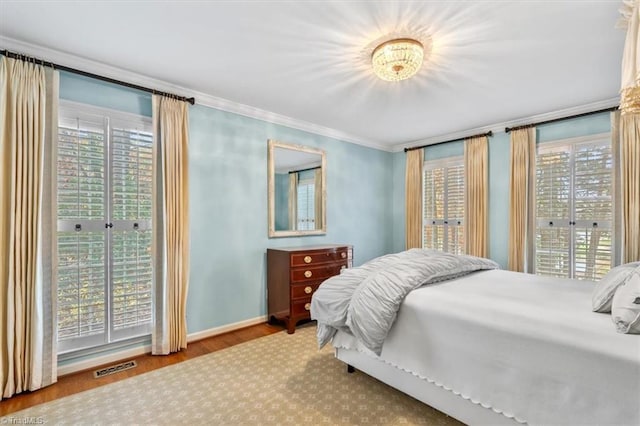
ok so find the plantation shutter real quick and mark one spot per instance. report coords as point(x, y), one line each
point(553, 185)
point(444, 205)
point(593, 208)
point(104, 229)
point(455, 209)
point(132, 186)
point(574, 209)
point(82, 238)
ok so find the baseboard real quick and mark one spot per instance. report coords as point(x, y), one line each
point(199, 335)
point(93, 362)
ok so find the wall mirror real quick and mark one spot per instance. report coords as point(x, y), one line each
point(297, 190)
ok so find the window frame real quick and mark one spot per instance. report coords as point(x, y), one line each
point(574, 223)
point(109, 120)
point(444, 164)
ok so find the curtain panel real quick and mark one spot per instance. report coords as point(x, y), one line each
point(413, 198)
point(293, 201)
point(28, 123)
point(521, 198)
point(171, 224)
point(317, 200)
point(630, 134)
point(476, 175)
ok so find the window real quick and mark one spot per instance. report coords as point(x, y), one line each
point(104, 186)
point(574, 208)
point(306, 205)
point(444, 205)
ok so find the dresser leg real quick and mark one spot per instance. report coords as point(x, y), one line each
point(291, 326)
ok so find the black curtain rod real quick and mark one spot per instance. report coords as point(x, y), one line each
point(304, 170)
point(97, 77)
point(525, 126)
point(489, 133)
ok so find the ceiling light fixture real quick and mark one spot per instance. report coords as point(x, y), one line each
point(397, 59)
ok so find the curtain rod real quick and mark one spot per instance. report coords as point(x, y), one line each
point(489, 133)
point(553, 120)
point(304, 170)
point(96, 76)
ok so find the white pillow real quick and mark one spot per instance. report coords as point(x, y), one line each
point(605, 288)
point(625, 310)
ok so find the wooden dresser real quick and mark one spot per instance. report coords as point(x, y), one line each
point(293, 274)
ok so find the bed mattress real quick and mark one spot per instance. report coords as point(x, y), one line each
point(524, 346)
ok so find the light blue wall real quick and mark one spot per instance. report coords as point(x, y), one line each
point(499, 145)
point(228, 185)
point(74, 87)
point(397, 201)
point(228, 201)
point(498, 226)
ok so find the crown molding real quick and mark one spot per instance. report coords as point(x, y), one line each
point(204, 99)
point(215, 102)
point(499, 127)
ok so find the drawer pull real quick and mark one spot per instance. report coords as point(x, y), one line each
point(308, 274)
point(307, 259)
point(308, 289)
point(343, 255)
point(307, 306)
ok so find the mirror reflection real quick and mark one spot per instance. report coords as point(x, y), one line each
point(296, 190)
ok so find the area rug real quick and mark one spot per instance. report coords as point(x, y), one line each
point(279, 379)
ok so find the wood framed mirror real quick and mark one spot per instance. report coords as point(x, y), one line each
point(296, 190)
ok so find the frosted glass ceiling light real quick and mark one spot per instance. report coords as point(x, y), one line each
point(397, 59)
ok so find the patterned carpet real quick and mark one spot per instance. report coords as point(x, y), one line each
point(280, 379)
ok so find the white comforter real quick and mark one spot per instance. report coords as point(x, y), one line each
point(525, 346)
point(366, 299)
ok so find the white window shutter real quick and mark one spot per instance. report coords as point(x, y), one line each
point(444, 205)
point(104, 188)
point(574, 208)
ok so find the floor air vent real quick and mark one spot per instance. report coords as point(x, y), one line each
point(114, 369)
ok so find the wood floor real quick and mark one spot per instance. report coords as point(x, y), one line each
point(84, 380)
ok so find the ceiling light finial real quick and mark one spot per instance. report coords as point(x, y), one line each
point(397, 59)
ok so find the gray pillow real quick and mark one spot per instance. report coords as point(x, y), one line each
point(605, 288)
point(625, 309)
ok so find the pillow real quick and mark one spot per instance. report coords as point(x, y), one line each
point(625, 309)
point(605, 288)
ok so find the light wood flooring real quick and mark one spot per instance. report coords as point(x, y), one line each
point(84, 380)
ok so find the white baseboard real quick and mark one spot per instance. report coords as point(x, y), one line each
point(199, 335)
point(93, 362)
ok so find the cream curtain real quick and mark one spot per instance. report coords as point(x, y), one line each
point(293, 201)
point(521, 206)
point(476, 195)
point(413, 198)
point(28, 130)
point(630, 134)
point(317, 200)
point(617, 187)
point(630, 182)
point(171, 224)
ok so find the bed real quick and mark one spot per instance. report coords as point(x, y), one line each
point(496, 347)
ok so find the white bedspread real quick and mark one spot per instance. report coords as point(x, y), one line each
point(525, 346)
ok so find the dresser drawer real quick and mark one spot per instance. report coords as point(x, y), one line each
point(313, 258)
point(301, 307)
point(304, 290)
point(314, 273)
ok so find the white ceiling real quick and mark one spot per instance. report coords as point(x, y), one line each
point(492, 61)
